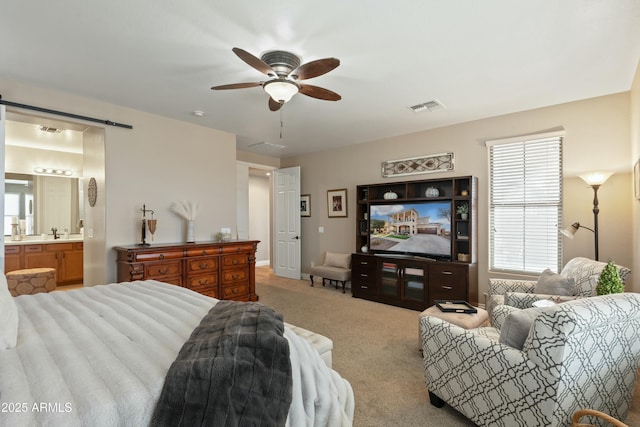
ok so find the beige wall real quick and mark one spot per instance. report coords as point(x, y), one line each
point(597, 135)
point(157, 162)
point(635, 155)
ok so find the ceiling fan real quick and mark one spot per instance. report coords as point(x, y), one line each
point(285, 71)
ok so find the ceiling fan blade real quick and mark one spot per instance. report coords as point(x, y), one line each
point(237, 86)
point(254, 61)
point(274, 105)
point(319, 92)
point(314, 68)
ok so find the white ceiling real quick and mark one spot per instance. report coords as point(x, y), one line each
point(478, 58)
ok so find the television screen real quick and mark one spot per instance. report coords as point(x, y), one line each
point(419, 228)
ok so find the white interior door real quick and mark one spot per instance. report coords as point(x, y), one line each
point(3, 111)
point(287, 222)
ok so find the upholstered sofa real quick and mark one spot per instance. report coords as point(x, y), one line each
point(521, 293)
point(583, 353)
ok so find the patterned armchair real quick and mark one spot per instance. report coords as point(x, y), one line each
point(520, 293)
point(581, 354)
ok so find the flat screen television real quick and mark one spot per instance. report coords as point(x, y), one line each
point(414, 228)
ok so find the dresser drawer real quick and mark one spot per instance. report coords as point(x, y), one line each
point(158, 271)
point(199, 265)
point(447, 282)
point(233, 276)
point(235, 260)
point(246, 248)
point(210, 292)
point(157, 256)
point(206, 284)
point(214, 250)
point(202, 280)
point(235, 292)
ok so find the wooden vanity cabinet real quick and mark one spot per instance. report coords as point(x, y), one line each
point(12, 258)
point(67, 258)
point(224, 270)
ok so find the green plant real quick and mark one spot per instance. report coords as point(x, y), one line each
point(463, 209)
point(609, 281)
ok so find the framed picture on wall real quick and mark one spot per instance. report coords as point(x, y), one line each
point(305, 205)
point(636, 180)
point(337, 203)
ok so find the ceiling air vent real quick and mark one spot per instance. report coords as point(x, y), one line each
point(266, 146)
point(50, 129)
point(427, 106)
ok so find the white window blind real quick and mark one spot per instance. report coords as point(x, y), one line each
point(525, 204)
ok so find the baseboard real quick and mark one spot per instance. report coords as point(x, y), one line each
point(265, 263)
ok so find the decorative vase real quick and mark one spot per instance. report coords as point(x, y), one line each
point(432, 192)
point(464, 216)
point(364, 249)
point(191, 234)
point(390, 195)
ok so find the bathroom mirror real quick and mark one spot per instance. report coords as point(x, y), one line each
point(42, 202)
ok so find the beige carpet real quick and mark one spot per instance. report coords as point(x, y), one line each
point(375, 348)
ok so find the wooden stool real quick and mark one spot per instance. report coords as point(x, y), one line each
point(31, 281)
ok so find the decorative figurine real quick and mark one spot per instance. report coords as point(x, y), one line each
point(144, 225)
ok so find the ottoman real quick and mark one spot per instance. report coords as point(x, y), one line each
point(464, 320)
point(31, 281)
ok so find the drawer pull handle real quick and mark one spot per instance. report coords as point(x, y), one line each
point(364, 262)
point(447, 273)
point(364, 275)
point(204, 252)
point(364, 287)
point(203, 266)
point(161, 257)
point(165, 271)
point(447, 288)
point(203, 282)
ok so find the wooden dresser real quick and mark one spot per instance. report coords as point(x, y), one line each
point(223, 270)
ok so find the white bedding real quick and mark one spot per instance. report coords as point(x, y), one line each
point(98, 357)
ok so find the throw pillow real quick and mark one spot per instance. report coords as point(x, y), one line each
point(8, 316)
point(333, 259)
point(550, 283)
point(516, 326)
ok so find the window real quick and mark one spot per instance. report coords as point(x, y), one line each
point(525, 203)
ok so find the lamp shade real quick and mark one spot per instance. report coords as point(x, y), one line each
point(595, 178)
point(281, 90)
point(571, 230)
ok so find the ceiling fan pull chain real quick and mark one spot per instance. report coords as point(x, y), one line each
point(281, 123)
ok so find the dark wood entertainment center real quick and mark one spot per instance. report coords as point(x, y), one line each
point(414, 280)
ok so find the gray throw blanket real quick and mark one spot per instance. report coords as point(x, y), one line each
point(234, 370)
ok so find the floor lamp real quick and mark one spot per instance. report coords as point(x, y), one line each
point(594, 180)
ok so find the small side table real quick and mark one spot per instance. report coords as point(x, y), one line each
point(464, 320)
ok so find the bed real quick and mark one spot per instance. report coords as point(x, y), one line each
point(99, 356)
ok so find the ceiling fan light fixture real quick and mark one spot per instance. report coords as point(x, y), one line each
point(281, 90)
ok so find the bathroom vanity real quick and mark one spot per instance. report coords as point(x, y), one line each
point(65, 255)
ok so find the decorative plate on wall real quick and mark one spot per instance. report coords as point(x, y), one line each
point(92, 192)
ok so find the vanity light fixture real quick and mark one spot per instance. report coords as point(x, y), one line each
point(51, 171)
